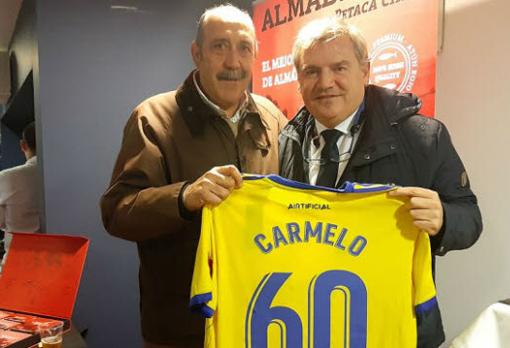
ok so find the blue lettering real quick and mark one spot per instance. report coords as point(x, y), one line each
point(329, 233)
point(278, 237)
point(293, 232)
point(317, 232)
point(358, 244)
point(258, 241)
point(340, 239)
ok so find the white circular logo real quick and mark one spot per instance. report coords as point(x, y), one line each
point(394, 63)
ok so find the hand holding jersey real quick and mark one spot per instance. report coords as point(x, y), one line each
point(212, 187)
point(424, 206)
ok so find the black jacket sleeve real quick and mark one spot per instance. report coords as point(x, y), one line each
point(462, 223)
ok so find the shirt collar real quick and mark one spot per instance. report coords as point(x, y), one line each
point(344, 126)
point(197, 113)
point(32, 160)
point(235, 117)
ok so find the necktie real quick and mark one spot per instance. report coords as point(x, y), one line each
point(329, 154)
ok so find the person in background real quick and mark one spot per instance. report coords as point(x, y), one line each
point(163, 177)
point(349, 130)
point(19, 191)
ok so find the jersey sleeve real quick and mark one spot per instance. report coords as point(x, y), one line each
point(203, 285)
point(424, 288)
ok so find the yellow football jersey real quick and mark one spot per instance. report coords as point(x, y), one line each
point(284, 264)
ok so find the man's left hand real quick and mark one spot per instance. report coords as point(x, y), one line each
point(424, 206)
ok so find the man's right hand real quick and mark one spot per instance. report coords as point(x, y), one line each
point(211, 188)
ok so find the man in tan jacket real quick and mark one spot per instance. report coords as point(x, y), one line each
point(163, 176)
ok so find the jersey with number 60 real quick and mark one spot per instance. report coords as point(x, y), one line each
point(283, 264)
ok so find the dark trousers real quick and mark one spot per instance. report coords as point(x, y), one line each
point(191, 344)
point(2, 245)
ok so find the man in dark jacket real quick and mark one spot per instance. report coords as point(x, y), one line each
point(158, 184)
point(351, 131)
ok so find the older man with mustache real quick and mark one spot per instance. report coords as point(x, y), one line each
point(163, 176)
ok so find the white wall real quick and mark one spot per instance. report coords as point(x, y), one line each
point(473, 97)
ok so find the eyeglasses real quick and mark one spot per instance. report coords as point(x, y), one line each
point(343, 157)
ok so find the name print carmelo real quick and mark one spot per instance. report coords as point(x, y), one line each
point(307, 232)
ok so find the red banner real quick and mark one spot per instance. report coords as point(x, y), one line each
point(401, 37)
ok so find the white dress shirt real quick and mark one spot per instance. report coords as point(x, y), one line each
point(19, 198)
point(345, 145)
point(231, 121)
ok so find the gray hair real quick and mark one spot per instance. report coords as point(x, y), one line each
point(227, 12)
point(325, 30)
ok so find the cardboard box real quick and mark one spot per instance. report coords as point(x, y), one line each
point(39, 283)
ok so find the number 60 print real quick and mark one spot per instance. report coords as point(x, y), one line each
point(261, 314)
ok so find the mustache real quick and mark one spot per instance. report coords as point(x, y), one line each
point(232, 75)
point(325, 92)
point(323, 95)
